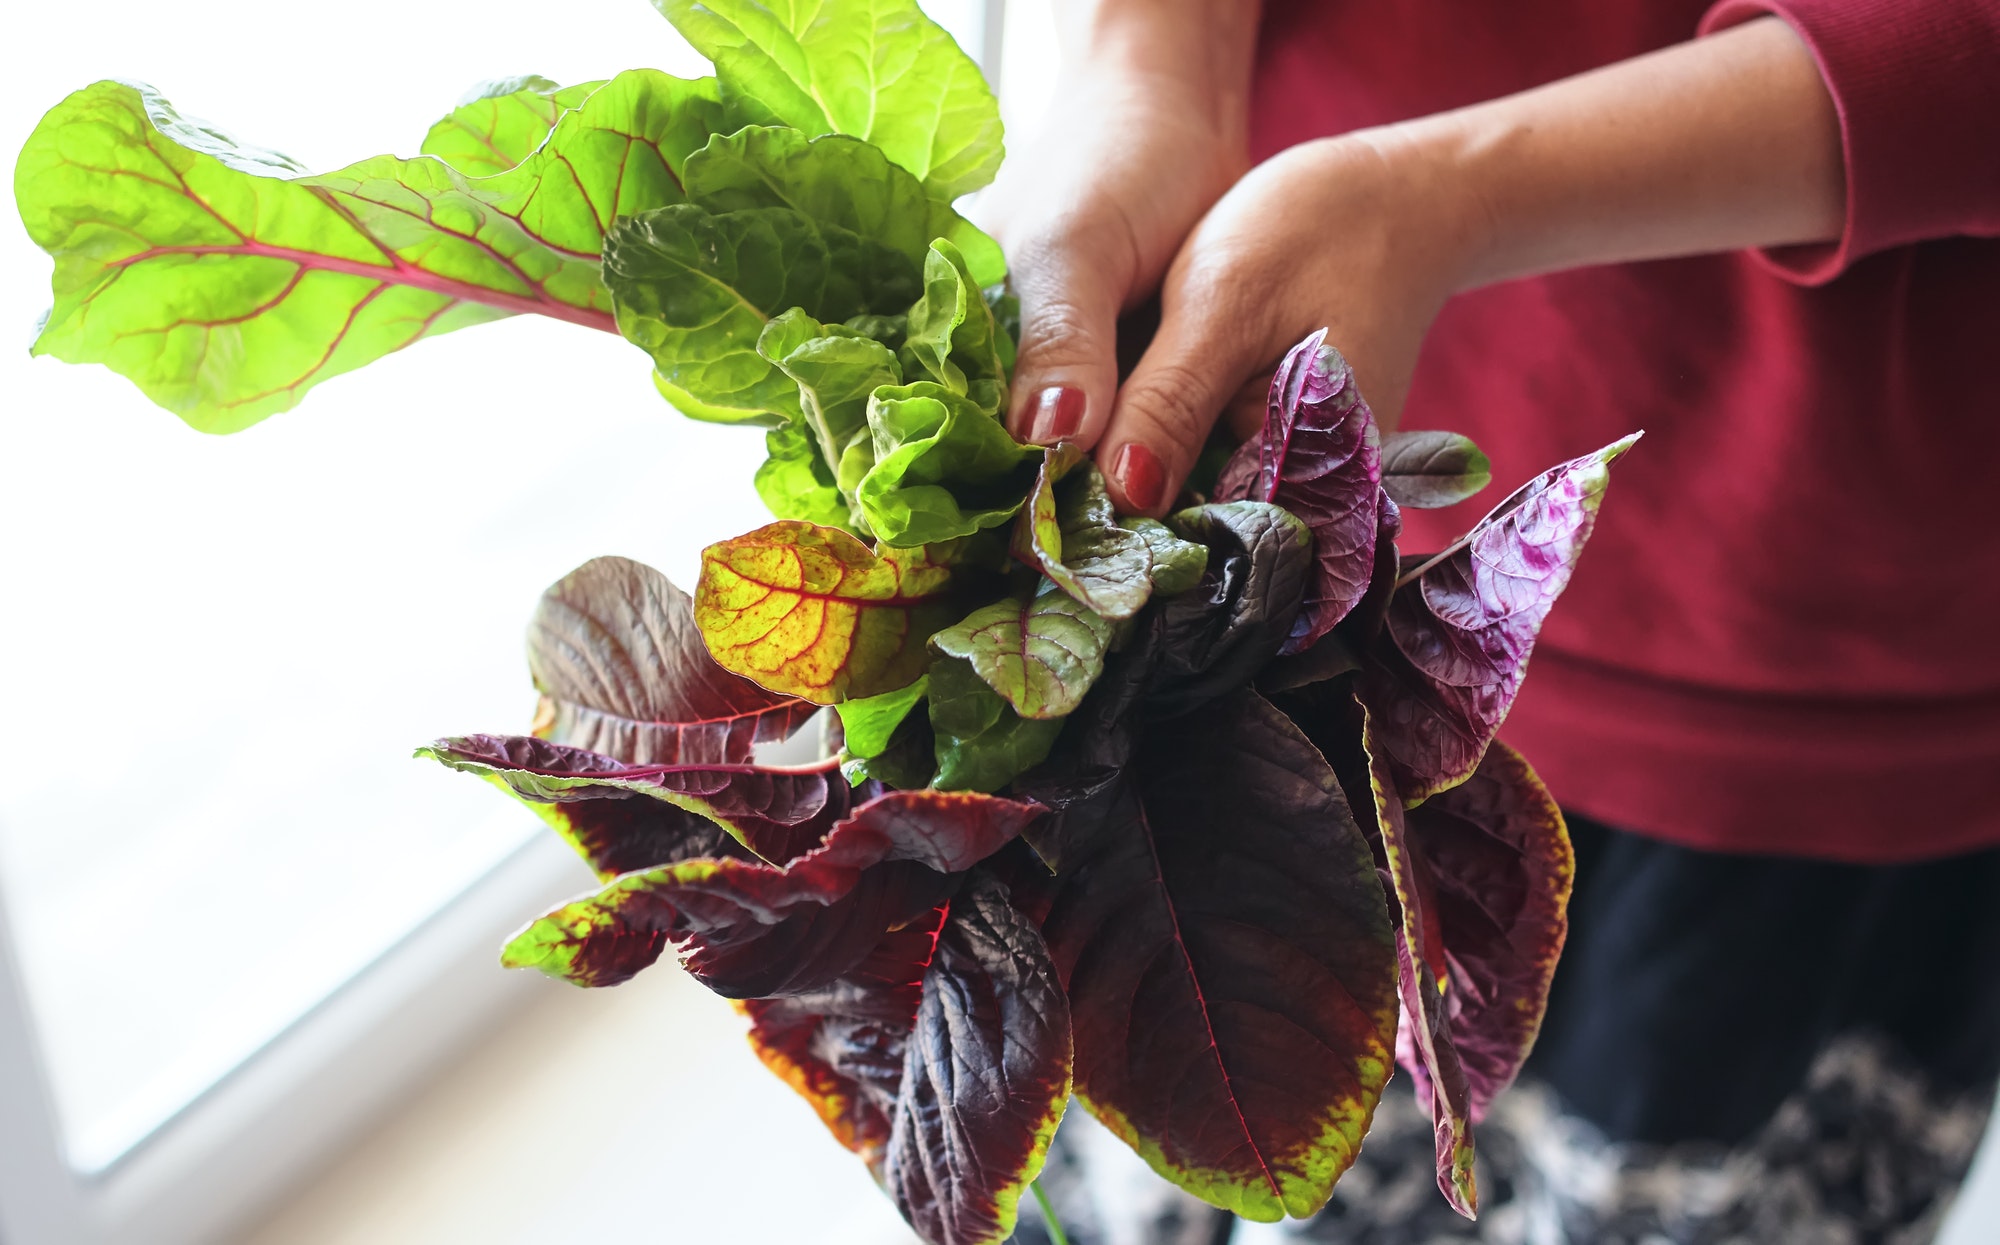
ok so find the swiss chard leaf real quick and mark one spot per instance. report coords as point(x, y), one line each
point(778, 814)
point(695, 289)
point(877, 69)
point(500, 123)
point(943, 467)
point(812, 612)
point(1041, 653)
point(794, 481)
point(952, 333)
point(986, 1075)
point(838, 180)
point(623, 670)
point(1430, 470)
point(868, 725)
point(225, 283)
point(980, 743)
point(1319, 460)
point(1070, 531)
point(1458, 639)
point(1229, 958)
point(748, 929)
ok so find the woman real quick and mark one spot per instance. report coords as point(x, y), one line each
point(1771, 697)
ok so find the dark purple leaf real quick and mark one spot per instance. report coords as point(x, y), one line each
point(1429, 470)
point(841, 1046)
point(1441, 679)
point(1229, 958)
point(986, 1074)
point(779, 814)
point(1497, 859)
point(622, 670)
point(748, 929)
point(1212, 639)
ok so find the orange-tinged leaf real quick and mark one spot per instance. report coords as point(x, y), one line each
point(812, 612)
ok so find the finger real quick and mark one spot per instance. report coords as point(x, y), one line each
point(1072, 286)
point(1207, 346)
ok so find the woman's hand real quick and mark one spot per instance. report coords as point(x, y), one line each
point(1730, 141)
point(1150, 126)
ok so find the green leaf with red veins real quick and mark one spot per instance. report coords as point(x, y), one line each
point(225, 283)
point(878, 69)
point(778, 814)
point(500, 123)
point(622, 669)
point(978, 741)
point(986, 1075)
point(1041, 654)
point(812, 612)
point(1429, 470)
point(1228, 954)
point(748, 929)
point(1070, 531)
point(1440, 679)
point(1423, 977)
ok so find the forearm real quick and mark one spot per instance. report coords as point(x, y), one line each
point(1720, 144)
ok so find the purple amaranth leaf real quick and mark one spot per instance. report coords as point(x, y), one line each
point(1497, 859)
point(779, 814)
point(748, 929)
point(1320, 459)
point(1440, 680)
point(623, 670)
point(986, 1074)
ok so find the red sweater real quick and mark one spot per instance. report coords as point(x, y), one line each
point(1785, 634)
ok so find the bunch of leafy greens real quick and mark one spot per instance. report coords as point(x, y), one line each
point(1174, 817)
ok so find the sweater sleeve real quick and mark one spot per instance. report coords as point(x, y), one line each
point(1917, 87)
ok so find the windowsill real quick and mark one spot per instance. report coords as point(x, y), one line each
point(637, 1113)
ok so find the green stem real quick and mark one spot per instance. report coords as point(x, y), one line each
point(1054, 1225)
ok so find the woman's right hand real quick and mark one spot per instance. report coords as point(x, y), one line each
point(1148, 129)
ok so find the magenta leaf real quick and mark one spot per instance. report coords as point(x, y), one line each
point(623, 670)
point(1319, 459)
point(1440, 681)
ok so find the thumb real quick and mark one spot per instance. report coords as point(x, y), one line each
point(1072, 284)
point(1208, 345)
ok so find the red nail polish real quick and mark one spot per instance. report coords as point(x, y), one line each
point(1058, 414)
point(1140, 475)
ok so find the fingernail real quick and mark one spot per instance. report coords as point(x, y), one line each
point(1058, 414)
point(1139, 475)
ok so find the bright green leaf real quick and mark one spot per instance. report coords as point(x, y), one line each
point(500, 123)
point(869, 723)
point(794, 481)
point(982, 744)
point(695, 290)
point(225, 284)
point(952, 333)
point(1177, 563)
point(876, 69)
point(1041, 654)
point(944, 468)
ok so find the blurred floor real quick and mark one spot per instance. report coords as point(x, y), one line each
point(639, 1114)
